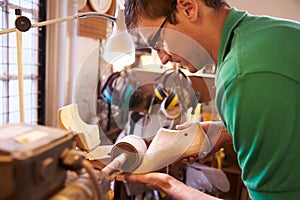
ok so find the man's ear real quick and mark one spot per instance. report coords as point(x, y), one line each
point(189, 8)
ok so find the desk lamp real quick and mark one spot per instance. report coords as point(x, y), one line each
point(119, 49)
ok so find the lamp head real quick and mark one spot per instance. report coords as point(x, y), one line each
point(119, 48)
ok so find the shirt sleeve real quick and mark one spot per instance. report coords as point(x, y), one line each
point(262, 112)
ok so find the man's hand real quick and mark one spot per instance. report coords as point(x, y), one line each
point(167, 184)
point(154, 180)
point(217, 134)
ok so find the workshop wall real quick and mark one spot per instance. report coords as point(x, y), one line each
point(288, 9)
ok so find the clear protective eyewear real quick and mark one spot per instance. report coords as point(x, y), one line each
point(156, 42)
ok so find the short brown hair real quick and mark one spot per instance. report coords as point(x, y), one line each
point(154, 9)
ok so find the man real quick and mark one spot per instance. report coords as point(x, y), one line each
point(257, 88)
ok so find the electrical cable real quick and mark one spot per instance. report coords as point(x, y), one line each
point(89, 169)
point(75, 161)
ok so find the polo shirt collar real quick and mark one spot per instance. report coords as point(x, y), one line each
point(231, 22)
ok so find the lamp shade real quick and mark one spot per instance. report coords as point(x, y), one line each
point(119, 48)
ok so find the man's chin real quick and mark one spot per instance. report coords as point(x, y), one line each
point(190, 68)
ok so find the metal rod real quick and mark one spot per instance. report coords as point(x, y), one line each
point(78, 16)
point(68, 18)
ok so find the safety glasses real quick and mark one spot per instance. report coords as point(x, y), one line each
point(154, 43)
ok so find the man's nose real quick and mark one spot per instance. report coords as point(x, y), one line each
point(164, 57)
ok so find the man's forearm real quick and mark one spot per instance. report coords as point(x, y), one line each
point(179, 191)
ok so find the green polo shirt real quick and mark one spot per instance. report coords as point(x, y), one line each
point(258, 99)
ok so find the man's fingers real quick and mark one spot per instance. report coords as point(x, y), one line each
point(184, 125)
point(127, 177)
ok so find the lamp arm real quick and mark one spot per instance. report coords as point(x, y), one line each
point(78, 16)
point(68, 18)
point(96, 15)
